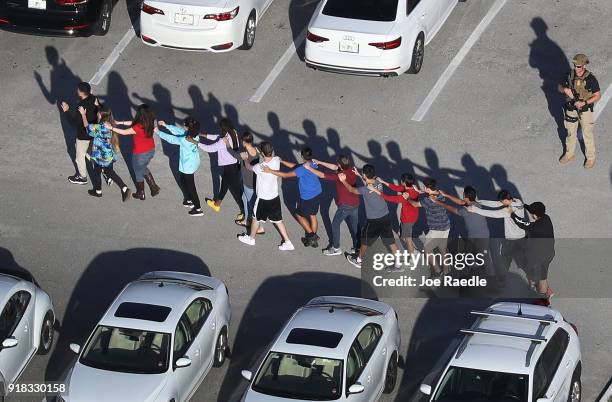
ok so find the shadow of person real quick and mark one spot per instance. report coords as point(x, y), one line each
point(62, 87)
point(300, 12)
point(548, 58)
point(272, 304)
point(162, 104)
point(100, 284)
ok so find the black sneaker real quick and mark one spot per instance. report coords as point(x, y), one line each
point(76, 179)
point(196, 212)
point(314, 240)
point(306, 240)
point(125, 194)
point(94, 193)
point(108, 180)
point(188, 204)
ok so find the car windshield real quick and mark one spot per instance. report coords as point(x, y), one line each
point(300, 377)
point(127, 350)
point(370, 10)
point(466, 384)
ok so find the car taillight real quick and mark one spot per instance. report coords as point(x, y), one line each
point(70, 2)
point(151, 10)
point(394, 44)
point(75, 27)
point(315, 38)
point(4, 21)
point(223, 16)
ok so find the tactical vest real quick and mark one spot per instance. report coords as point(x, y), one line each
point(578, 85)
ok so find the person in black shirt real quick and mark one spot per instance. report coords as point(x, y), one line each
point(90, 103)
point(582, 91)
point(540, 245)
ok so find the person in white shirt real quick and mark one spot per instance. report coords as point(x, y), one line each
point(512, 247)
point(268, 204)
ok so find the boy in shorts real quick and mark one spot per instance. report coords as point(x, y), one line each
point(267, 205)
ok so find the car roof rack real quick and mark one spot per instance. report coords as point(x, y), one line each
point(535, 339)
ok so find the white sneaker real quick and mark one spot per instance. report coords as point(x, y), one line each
point(286, 246)
point(246, 239)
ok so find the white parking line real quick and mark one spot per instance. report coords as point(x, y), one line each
point(112, 58)
point(605, 98)
point(278, 68)
point(450, 70)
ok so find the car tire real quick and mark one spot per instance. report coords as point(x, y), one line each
point(391, 374)
point(46, 334)
point(418, 53)
point(575, 394)
point(249, 32)
point(221, 348)
point(104, 21)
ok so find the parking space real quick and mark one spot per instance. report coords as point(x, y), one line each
point(494, 124)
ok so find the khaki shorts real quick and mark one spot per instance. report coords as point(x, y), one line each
point(436, 239)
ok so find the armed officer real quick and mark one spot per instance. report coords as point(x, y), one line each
point(582, 91)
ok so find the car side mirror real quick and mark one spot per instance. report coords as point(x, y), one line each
point(247, 375)
point(183, 362)
point(425, 389)
point(76, 348)
point(356, 389)
point(9, 343)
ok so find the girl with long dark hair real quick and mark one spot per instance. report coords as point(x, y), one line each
point(231, 178)
point(187, 138)
point(104, 147)
point(141, 128)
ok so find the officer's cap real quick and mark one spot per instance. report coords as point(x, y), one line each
point(580, 59)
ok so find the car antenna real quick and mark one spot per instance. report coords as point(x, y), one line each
point(520, 310)
point(161, 284)
point(331, 309)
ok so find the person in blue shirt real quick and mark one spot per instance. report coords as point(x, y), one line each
point(187, 138)
point(104, 146)
point(310, 195)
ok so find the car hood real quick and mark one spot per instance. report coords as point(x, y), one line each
point(88, 384)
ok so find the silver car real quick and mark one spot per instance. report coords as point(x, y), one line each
point(334, 348)
point(156, 342)
point(26, 326)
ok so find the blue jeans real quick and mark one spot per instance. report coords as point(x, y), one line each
point(343, 213)
point(140, 163)
point(248, 200)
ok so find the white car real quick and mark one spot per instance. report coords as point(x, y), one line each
point(513, 353)
point(201, 25)
point(373, 37)
point(334, 348)
point(156, 342)
point(26, 326)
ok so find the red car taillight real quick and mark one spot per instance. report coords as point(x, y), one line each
point(315, 38)
point(4, 21)
point(151, 10)
point(70, 2)
point(223, 16)
point(394, 44)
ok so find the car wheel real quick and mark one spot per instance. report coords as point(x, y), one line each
point(249, 32)
point(391, 376)
point(46, 334)
point(575, 390)
point(221, 348)
point(105, 18)
point(418, 53)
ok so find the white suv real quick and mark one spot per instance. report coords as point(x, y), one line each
point(513, 353)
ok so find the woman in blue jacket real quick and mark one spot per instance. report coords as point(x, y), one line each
point(187, 138)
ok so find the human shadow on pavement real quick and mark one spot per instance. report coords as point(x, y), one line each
point(62, 87)
point(272, 304)
point(551, 62)
point(99, 285)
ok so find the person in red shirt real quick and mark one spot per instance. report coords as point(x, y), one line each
point(347, 202)
point(141, 128)
point(409, 214)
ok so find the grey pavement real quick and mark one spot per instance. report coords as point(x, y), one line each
point(493, 126)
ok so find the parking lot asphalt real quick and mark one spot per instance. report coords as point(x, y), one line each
point(494, 125)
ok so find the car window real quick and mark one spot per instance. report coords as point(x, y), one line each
point(368, 339)
point(368, 10)
point(182, 338)
point(549, 361)
point(354, 364)
point(197, 313)
point(410, 5)
point(12, 313)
